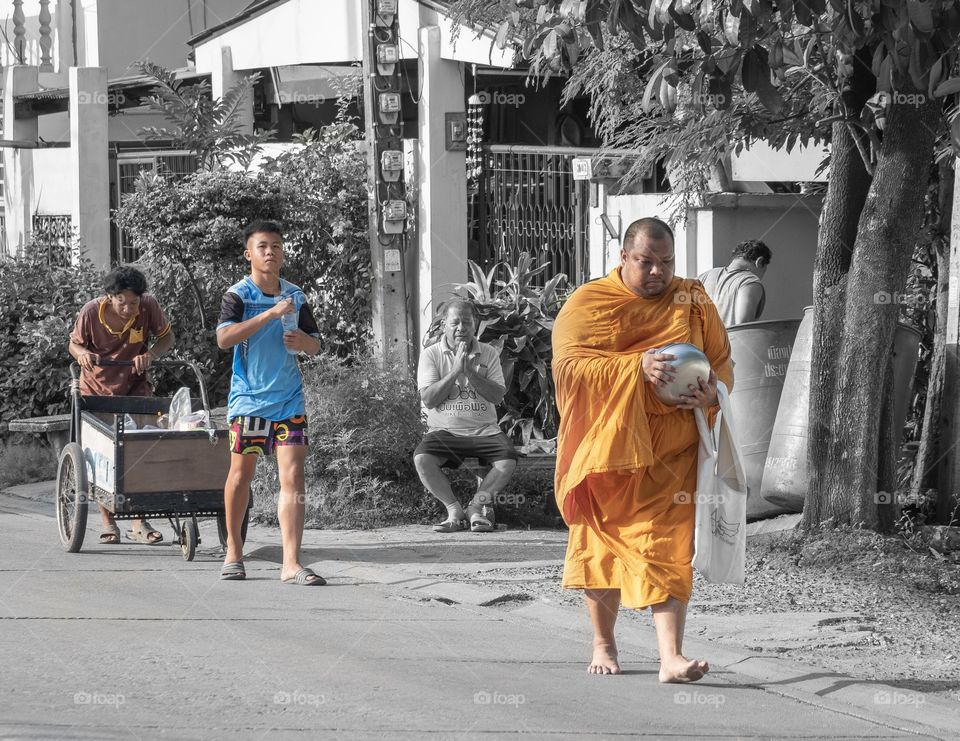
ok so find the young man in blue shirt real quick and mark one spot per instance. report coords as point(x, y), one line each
point(266, 407)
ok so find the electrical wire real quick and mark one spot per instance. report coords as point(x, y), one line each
point(419, 96)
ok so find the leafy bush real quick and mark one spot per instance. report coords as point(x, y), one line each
point(516, 317)
point(209, 128)
point(39, 303)
point(190, 233)
point(364, 426)
point(24, 463)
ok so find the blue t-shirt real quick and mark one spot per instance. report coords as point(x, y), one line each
point(266, 378)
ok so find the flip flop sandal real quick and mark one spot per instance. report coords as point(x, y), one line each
point(143, 535)
point(306, 578)
point(233, 571)
point(110, 535)
point(450, 526)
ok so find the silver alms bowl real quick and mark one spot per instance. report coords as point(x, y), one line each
point(690, 363)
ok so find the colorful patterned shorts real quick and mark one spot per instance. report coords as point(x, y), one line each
point(257, 436)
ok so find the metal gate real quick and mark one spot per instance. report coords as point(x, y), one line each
point(129, 166)
point(526, 200)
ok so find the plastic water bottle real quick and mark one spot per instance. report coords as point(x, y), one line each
point(291, 322)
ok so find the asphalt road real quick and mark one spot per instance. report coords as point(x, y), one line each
point(133, 642)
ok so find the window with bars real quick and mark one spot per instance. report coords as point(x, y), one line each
point(52, 236)
point(176, 164)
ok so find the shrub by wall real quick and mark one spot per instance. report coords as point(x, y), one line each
point(38, 306)
point(364, 426)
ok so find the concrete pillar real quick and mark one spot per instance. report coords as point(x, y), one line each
point(442, 231)
point(222, 78)
point(18, 163)
point(89, 162)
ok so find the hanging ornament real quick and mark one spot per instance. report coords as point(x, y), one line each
point(475, 106)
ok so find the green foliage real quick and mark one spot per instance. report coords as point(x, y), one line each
point(684, 81)
point(325, 214)
point(39, 303)
point(210, 129)
point(189, 231)
point(516, 317)
point(364, 426)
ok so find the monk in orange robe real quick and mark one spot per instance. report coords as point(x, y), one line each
point(626, 462)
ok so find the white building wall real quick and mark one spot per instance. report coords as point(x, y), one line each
point(331, 32)
point(53, 194)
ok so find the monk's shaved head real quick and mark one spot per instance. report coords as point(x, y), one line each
point(649, 227)
point(646, 259)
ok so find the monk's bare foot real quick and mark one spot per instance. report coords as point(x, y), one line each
point(604, 659)
point(681, 669)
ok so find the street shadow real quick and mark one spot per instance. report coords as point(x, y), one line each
point(842, 681)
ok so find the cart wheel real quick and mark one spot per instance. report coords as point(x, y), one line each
point(188, 539)
point(72, 497)
point(222, 526)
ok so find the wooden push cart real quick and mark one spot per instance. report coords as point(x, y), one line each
point(140, 471)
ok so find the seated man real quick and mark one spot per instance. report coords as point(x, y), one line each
point(120, 326)
point(461, 382)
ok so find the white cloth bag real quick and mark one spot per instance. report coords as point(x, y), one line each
point(720, 537)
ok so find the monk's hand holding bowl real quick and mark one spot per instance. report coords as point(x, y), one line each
point(656, 367)
point(700, 397)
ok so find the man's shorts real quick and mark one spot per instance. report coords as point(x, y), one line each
point(454, 449)
point(258, 436)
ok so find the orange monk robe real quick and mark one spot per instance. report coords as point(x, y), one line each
point(626, 462)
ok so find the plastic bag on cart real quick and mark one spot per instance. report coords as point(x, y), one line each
point(180, 409)
point(198, 420)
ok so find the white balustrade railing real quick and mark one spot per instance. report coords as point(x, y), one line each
point(33, 38)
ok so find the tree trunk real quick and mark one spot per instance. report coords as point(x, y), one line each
point(948, 481)
point(846, 194)
point(860, 463)
point(925, 464)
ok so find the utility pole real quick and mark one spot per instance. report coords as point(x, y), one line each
point(388, 203)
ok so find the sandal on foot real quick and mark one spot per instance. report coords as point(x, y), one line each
point(233, 571)
point(146, 535)
point(482, 518)
point(450, 526)
point(306, 578)
point(110, 535)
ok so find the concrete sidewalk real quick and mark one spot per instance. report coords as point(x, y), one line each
point(744, 696)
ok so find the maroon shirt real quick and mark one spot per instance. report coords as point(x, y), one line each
point(92, 333)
